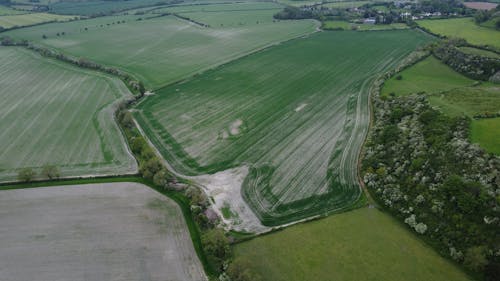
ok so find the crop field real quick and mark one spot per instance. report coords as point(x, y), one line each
point(299, 131)
point(94, 232)
point(359, 245)
point(463, 28)
point(160, 50)
point(10, 21)
point(455, 95)
point(52, 113)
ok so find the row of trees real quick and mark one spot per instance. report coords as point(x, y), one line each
point(47, 172)
point(473, 66)
point(420, 165)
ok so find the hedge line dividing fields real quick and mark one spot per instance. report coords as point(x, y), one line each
point(296, 114)
point(56, 114)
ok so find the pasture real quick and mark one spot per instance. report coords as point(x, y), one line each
point(53, 113)
point(4, 10)
point(486, 132)
point(336, 24)
point(95, 232)
point(463, 28)
point(363, 244)
point(429, 75)
point(454, 94)
point(480, 52)
point(88, 8)
point(299, 132)
point(160, 50)
point(9, 21)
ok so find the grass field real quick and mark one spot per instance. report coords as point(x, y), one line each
point(464, 28)
point(429, 75)
point(480, 52)
point(52, 113)
point(162, 50)
point(113, 231)
point(486, 132)
point(229, 14)
point(345, 4)
point(4, 10)
point(88, 8)
point(10, 21)
point(455, 95)
point(333, 24)
point(364, 244)
point(299, 131)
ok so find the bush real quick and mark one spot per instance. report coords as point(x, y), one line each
point(26, 175)
point(240, 270)
point(216, 246)
point(50, 171)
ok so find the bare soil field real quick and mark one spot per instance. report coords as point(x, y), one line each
point(116, 231)
point(480, 5)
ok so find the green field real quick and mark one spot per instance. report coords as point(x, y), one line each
point(455, 95)
point(161, 50)
point(9, 11)
point(480, 52)
point(88, 8)
point(486, 132)
point(346, 4)
point(464, 28)
point(30, 19)
point(364, 244)
point(229, 14)
point(52, 113)
point(334, 24)
point(429, 75)
point(299, 131)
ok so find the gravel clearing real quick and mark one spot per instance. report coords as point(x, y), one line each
point(115, 231)
point(225, 188)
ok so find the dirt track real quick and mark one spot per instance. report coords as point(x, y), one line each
point(118, 231)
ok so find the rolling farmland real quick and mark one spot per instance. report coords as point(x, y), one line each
point(52, 113)
point(298, 131)
point(160, 50)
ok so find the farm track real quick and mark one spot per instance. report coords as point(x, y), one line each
point(301, 138)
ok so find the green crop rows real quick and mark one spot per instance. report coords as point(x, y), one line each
point(160, 50)
point(52, 113)
point(296, 114)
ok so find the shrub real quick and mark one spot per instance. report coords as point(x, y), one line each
point(26, 175)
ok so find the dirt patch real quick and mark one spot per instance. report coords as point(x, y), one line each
point(300, 107)
point(234, 129)
point(480, 5)
point(225, 188)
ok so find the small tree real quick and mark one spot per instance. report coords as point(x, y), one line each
point(44, 36)
point(162, 178)
point(240, 270)
point(50, 171)
point(475, 258)
point(216, 245)
point(26, 175)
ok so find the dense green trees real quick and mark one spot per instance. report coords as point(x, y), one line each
point(420, 165)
